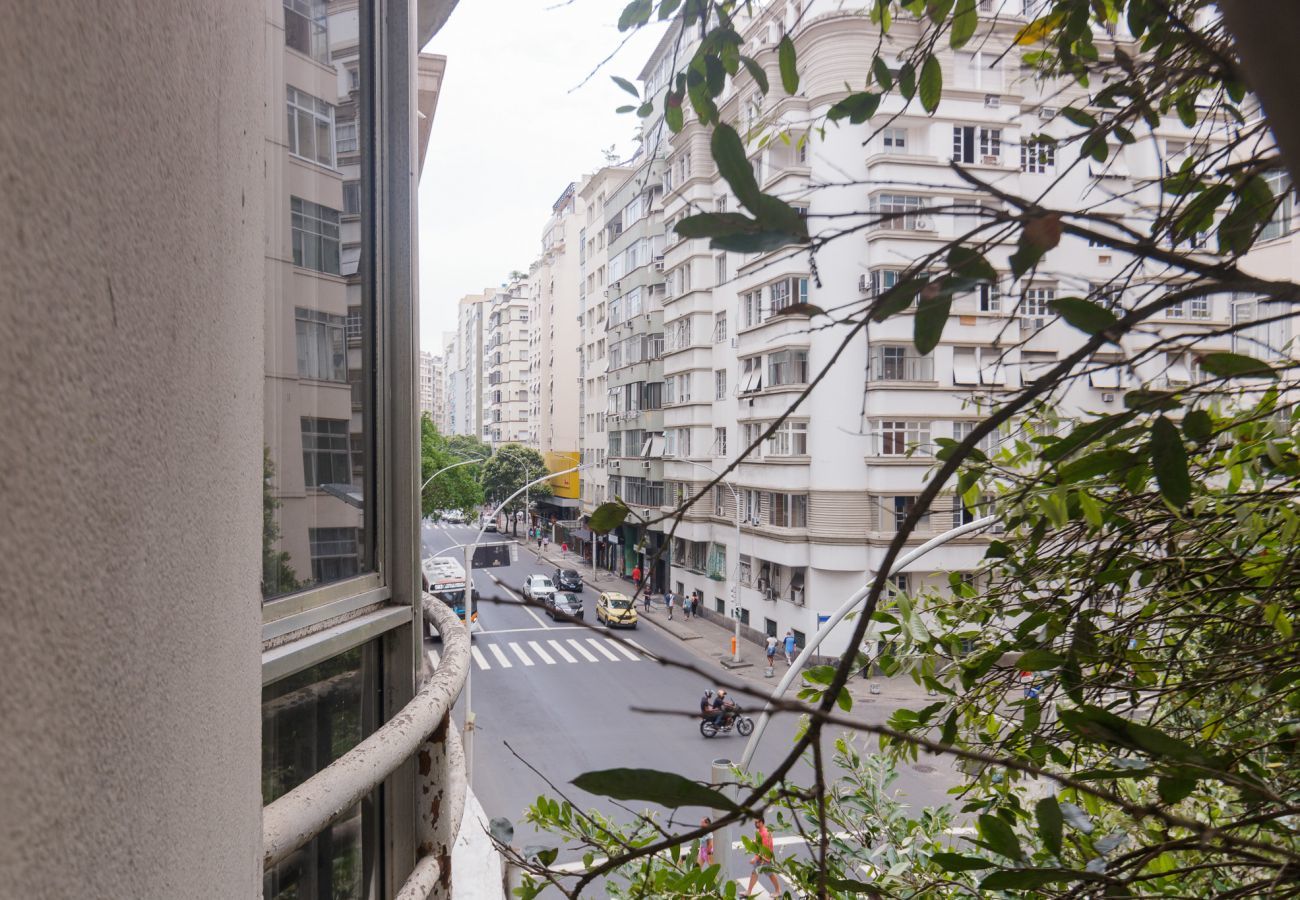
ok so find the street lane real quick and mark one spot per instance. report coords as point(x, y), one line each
point(570, 708)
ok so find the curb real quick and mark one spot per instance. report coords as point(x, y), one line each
point(663, 624)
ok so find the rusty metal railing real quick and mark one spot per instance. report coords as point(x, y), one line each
point(422, 727)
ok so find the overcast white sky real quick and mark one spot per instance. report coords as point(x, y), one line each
point(508, 136)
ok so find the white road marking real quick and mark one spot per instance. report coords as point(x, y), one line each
point(519, 652)
point(644, 652)
point(555, 645)
point(600, 645)
point(626, 652)
point(479, 657)
point(501, 657)
point(547, 628)
point(541, 654)
point(583, 650)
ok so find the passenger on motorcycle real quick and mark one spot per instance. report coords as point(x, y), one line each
point(725, 707)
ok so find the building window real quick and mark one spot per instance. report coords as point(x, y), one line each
point(719, 327)
point(789, 439)
point(787, 510)
point(1037, 157)
point(306, 29)
point(720, 442)
point(315, 236)
point(325, 456)
point(718, 500)
point(720, 268)
point(990, 297)
point(786, 292)
point(751, 308)
point(322, 345)
point(901, 212)
point(1280, 222)
point(333, 553)
point(751, 374)
point(899, 438)
point(894, 362)
point(1110, 296)
point(1035, 312)
point(902, 508)
point(972, 144)
point(345, 141)
point(351, 198)
point(746, 572)
point(787, 367)
point(311, 127)
point(894, 140)
point(751, 507)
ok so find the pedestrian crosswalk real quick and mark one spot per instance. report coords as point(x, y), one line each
point(521, 654)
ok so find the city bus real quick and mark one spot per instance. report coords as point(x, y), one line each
point(444, 578)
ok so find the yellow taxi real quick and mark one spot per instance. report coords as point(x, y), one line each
point(614, 608)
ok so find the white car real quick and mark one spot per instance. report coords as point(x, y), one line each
point(536, 587)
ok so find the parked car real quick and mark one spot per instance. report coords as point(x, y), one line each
point(567, 580)
point(614, 608)
point(538, 588)
point(563, 604)
point(454, 516)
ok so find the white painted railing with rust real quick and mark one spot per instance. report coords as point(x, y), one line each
point(422, 727)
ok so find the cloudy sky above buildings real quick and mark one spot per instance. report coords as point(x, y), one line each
point(512, 129)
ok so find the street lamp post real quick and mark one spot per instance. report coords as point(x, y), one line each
point(464, 462)
point(848, 606)
point(735, 581)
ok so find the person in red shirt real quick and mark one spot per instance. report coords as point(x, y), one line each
point(636, 576)
point(765, 855)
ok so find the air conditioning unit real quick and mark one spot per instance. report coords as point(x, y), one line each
point(1107, 398)
point(991, 160)
point(646, 466)
point(614, 285)
point(1047, 112)
point(769, 595)
point(733, 343)
point(922, 223)
point(992, 101)
point(864, 284)
point(659, 263)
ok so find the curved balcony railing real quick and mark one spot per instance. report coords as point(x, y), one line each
point(422, 727)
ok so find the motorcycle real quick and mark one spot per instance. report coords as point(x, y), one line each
point(734, 717)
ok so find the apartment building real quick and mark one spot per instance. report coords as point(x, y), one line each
point(506, 362)
point(465, 370)
point(432, 386)
point(552, 362)
point(593, 263)
point(818, 502)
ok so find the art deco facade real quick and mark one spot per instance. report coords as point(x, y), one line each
point(506, 362)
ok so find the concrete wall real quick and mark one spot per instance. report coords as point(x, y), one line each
point(131, 392)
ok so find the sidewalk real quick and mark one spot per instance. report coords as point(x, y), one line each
point(715, 638)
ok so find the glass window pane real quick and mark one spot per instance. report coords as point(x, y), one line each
point(317, 425)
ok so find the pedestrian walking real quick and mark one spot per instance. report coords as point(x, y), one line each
point(636, 576)
point(696, 597)
point(704, 857)
point(668, 603)
point(789, 647)
point(771, 650)
point(764, 857)
point(686, 606)
point(646, 600)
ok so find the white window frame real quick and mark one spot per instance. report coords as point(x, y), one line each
point(302, 105)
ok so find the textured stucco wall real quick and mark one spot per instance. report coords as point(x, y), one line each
point(131, 284)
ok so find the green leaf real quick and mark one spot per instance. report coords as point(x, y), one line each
point(907, 80)
point(880, 71)
point(1088, 317)
point(857, 108)
point(931, 85)
point(608, 516)
point(969, 263)
point(931, 316)
point(845, 700)
point(625, 109)
point(673, 115)
point(1039, 660)
point(729, 155)
point(626, 85)
point(756, 72)
point(999, 837)
point(785, 57)
point(1198, 426)
point(635, 14)
point(707, 225)
point(1050, 821)
point(652, 786)
point(1169, 462)
point(897, 298)
point(1255, 205)
point(799, 309)
point(1234, 365)
point(964, 22)
point(1102, 462)
point(757, 242)
point(938, 10)
point(958, 862)
point(1151, 401)
point(1172, 789)
point(844, 884)
point(1078, 117)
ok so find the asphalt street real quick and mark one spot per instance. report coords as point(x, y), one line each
point(563, 699)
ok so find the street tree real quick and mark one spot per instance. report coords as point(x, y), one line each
point(1120, 679)
point(456, 489)
point(509, 469)
point(278, 577)
point(466, 446)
